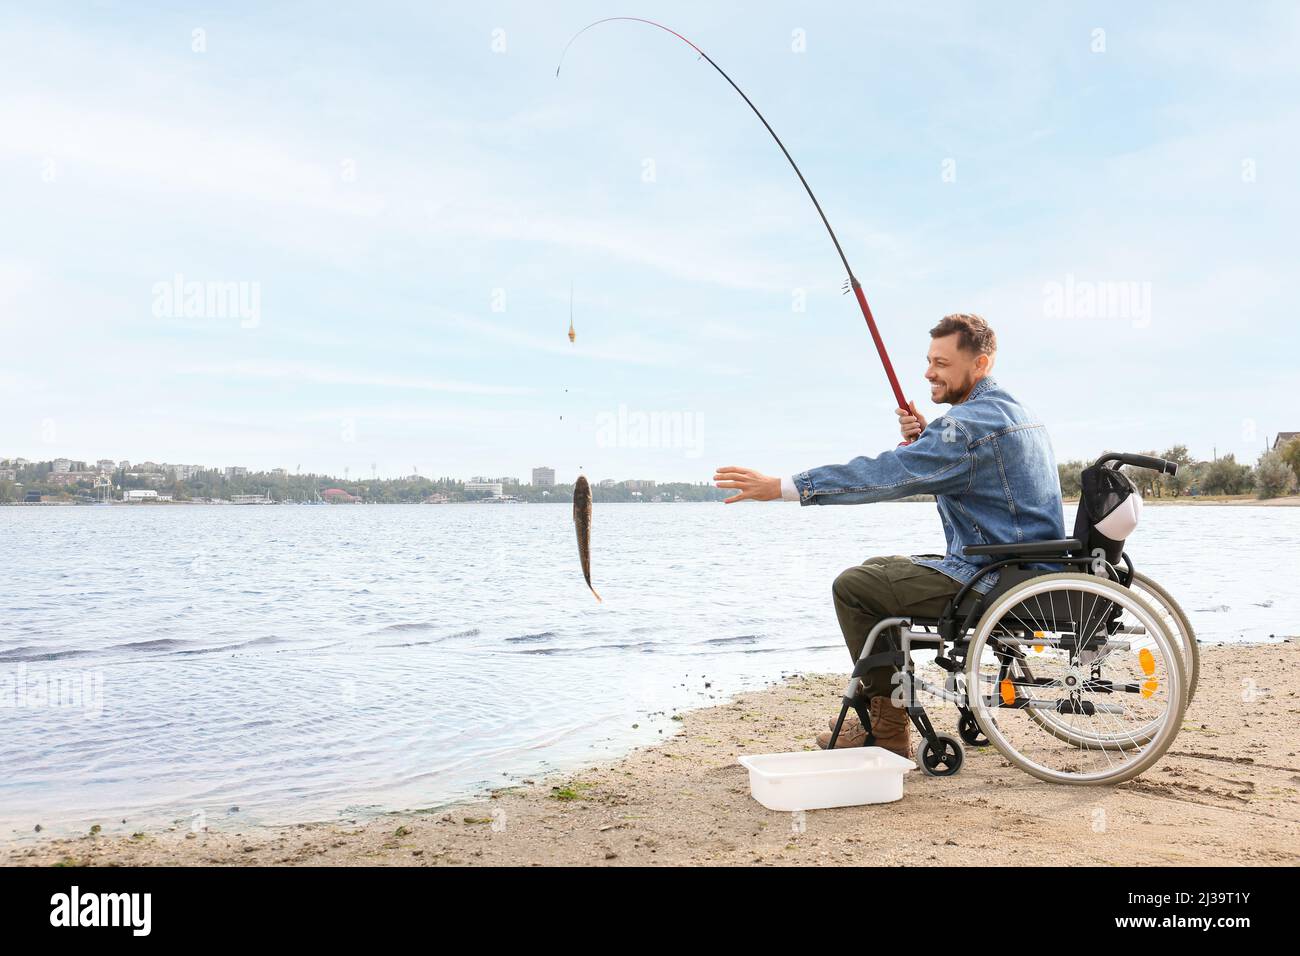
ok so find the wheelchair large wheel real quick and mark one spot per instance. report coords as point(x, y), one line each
point(1087, 661)
point(1171, 615)
point(1177, 623)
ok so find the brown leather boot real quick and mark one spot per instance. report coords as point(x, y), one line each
point(892, 727)
point(852, 734)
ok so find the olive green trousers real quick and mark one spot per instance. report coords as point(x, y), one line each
point(886, 587)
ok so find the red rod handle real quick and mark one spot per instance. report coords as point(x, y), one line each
point(880, 347)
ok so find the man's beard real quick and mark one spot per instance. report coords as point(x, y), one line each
point(954, 394)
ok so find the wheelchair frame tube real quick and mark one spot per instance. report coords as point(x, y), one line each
point(910, 680)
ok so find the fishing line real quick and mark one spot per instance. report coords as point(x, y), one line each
point(573, 336)
point(852, 280)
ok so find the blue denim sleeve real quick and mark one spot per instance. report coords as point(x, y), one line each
point(939, 462)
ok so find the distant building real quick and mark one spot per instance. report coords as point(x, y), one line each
point(543, 477)
point(140, 494)
point(8, 474)
point(105, 465)
point(491, 487)
point(72, 477)
point(60, 466)
point(1283, 439)
point(607, 483)
point(642, 485)
point(235, 471)
point(337, 496)
point(180, 472)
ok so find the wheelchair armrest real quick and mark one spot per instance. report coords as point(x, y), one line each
point(1027, 548)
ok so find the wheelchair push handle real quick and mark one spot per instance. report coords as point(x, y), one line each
point(1140, 461)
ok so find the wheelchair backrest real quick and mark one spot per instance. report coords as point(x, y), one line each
point(1109, 509)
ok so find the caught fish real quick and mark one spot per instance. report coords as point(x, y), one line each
point(582, 524)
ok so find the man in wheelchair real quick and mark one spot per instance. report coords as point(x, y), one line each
point(988, 462)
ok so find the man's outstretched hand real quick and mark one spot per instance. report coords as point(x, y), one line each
point(752, 485)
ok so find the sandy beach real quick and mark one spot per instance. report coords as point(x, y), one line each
point(1227, 793)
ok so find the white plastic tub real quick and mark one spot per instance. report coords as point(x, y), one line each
point(818, 779)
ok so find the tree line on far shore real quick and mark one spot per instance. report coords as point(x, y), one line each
point(1275, 474)
point(210, 484)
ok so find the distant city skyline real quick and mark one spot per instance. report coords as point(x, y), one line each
point(181, 471)
point(371, 268)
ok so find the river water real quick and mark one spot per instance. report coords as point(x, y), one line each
point(226, 665)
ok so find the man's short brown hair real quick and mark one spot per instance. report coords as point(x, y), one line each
point(975, 334)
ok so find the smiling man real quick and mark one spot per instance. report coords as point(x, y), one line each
point(990, 466)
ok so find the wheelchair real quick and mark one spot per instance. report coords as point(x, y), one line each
point(1076, 676)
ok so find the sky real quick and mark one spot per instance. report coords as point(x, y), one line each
point(375, 216)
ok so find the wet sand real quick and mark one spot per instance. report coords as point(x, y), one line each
point(1227, 793)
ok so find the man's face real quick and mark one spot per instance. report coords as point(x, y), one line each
point(951, 371)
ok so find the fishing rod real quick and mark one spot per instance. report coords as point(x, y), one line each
point(853, 282)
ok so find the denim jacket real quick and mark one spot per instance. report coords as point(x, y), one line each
point(990, 466)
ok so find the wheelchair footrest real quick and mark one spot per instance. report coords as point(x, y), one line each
point(881, 659)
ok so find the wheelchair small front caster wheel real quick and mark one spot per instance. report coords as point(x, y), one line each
point(970, 732)
point(943, 758)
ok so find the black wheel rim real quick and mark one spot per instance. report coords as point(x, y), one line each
point(941, 761)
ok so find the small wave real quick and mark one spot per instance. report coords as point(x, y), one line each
point(20, 654)
point(471, 632)
point(1212, 610)
point(409, 626)
point(742, 639)
point(162, 644)
point(256, 642)
point(645, 647)
point(531, 638)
